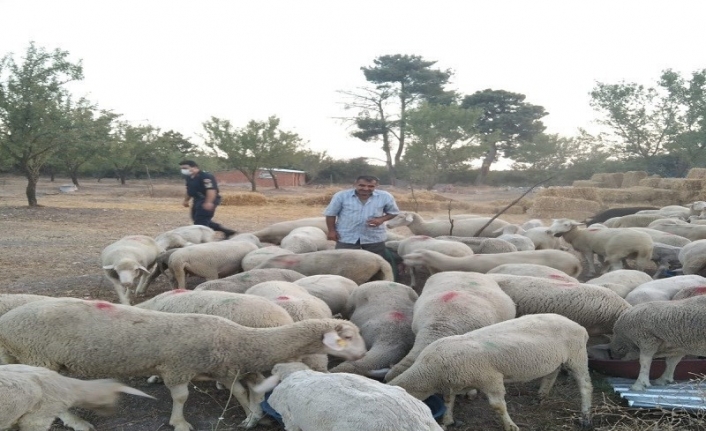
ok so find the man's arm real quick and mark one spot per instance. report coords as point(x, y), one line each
point(208, 203)
point(331, 226)
point(187, 198)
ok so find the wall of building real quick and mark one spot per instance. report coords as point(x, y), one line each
point(262, 178)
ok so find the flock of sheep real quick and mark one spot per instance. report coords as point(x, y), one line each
point(344, 346)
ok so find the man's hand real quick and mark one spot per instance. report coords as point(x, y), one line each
point(332, 235)
point(186, 203)
point(208, 206)
point(375, 221)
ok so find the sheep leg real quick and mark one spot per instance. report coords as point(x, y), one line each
point(72, 421)
point(496, 398)
point(547, 383)
point(256, 398)
point(179, 275)
point(239, 392)
point(449, 401)
point(643, 380)
point(123, 292)
point(668, 375)
point(578, 367)
point(146, 279)
point(34, 422)
point(591, 265)
point(180, 392)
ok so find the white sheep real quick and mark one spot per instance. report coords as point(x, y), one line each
point(533, 270)
point(247, 237)
point(516, 350)
point(434, 228)
point(454, 303)
point(663, 237)
point(594, 307)
point(127, 259)
point(481, 245)
point(663, 289)
point(670, 329)
point(423, 242)
point(256, 257)
point(8, 301)
point(305, 239)
point(239, 283)
point(693, 257)
point(130, 341)
point(358, 265)
point(561, 260)
point(637, 220)
point(306, 400)
point(538, 237)
point(613, 245)
point(621, 281)
point(697, 208)
point(383, 312)
point(688, 292)
point(275, 232)
point(334, 290)
point(666, 257)
point(211, 260)
point(32, 397)
point(689, 231)
point(184, 236)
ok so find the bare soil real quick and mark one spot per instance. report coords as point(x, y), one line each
point(54, 250)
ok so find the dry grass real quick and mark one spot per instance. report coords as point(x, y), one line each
point(696, 173)
point(633, 178)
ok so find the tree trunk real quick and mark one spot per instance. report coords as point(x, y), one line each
point(74, 178)
point(52, 174)
point(485, 167)
point(31, 190)
point(121, 177)
point(274, 179)
point(253, 185)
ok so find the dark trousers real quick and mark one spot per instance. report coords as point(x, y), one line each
point(374, 247)
point(203, 217)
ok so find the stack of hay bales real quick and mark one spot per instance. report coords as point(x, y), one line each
point(652, 181)
point(633, 178)
point(696, 174)
point(576, 203)
point(609, 181)
point(638, 195)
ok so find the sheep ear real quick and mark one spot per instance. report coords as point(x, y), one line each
point(267, 385)
point(107, 267)
point(378, 374)
point(133, 391)
point(577, 223)
point(142, 268)
point(409, 217)
point(333, 341)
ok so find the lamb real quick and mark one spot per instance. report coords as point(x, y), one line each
point(670, 329)
point(34, 396)
point(423, 242)
point(557, 259)
point(127, 259)
point(239, 283)
point(211, 261)
point(615, 213)
point(689, 231)
point(184, 236)
point(334, 290)
point(130, 341)
point(358, 265)
point(383, 312)
point(482, 245)
point(434, 228)
point(663, 289)
point(516, 350)
point(613, 245)
point(693, 258)
point(454, 303)
point(306, 400)
point(256, 257)
point(274, 233)
point(305, 239)
point(594, 307)
point(621, 281)
point(533, 270)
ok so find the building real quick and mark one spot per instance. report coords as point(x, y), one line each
point(263, 178)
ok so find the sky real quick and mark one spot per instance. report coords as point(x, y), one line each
point(174, 64)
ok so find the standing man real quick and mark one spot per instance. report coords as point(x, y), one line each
point(355, 217)
point(202, 187)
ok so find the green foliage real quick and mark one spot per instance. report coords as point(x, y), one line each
point(129, 149)
point(346, 171)
point(312, 162)
point(688, 141)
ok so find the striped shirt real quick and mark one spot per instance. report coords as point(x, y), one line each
point(352, 215)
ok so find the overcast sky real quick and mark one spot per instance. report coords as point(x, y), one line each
point(174, 64)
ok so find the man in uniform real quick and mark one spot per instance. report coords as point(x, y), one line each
point(202, 187)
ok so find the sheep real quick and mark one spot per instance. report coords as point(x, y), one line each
point(334, 290)
point(636, 220)
point(97, 338)
point(614, 213)
point(621, 281)
point(515, 235)
point(256, 257)
point(306, 400)
point(697, 208)
point(561, 260)
point(613, 245)
point(453, 303)
point(689, 231)
point(529, 224)
point(383, 312)
point(305, 239)
point(693, 257)
point(211, 260)
point(434, 228)
point(126, 259)
point(533, 270)
point(239, 283)
point(275, 232)
point(516, 350)
point(358, 265)
point(538, 237)
point(666, 257)
point(184, 236)
point(34, 396)
point(482, 245)
point(247, 237)
point(8, 301)
point(663, 289)
point(688, 292)
point(663, 237)
point(423, 242)
point(670, 329)
point(594, 307)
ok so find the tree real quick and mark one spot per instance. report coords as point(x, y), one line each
point(407, 79)
point(312, 162)
point(505, 123)
point(258, 145)
point(33, 108)
point(129, 147)
point(688, 139)
point(442, 140)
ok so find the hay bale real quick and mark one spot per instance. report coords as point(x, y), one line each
point(632, 178)
point(425, 195)
point(638, 195)
point(559, 207)
point(585, 193)
point(696, 174)
point(670, 183)
point(405, 204)
point(244, 199)
point(613, 180)
point(586, 183)
point(649, 182)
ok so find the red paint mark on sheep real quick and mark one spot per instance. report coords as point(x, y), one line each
point(175, 291)
point(398, 316)
point(283, 298)
point(593, 230)
point(449, 296)
point(557, 277)
point(102, 305)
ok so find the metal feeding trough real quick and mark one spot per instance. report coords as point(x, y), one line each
point(689, 395)
point(67, 188)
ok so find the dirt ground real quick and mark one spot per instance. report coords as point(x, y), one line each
point(54, 250)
